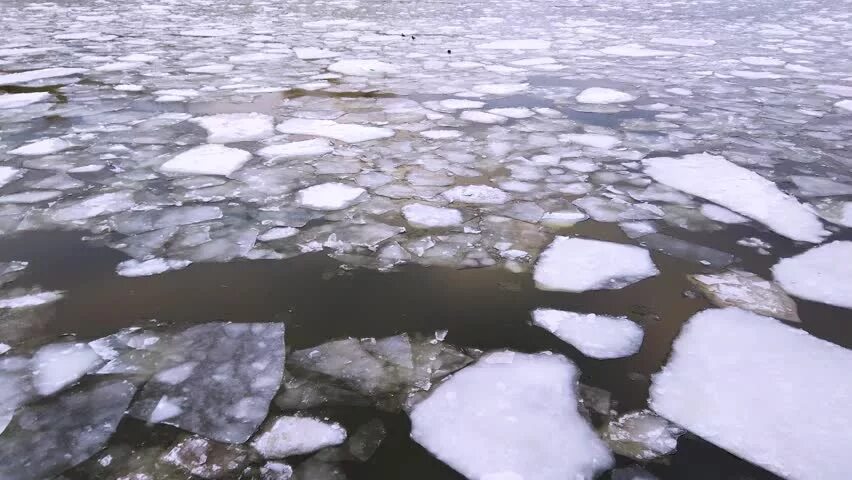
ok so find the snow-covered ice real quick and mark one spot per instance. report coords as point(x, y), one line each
point(511, 416)
point(601, 95)
point(427, 216)
point(209, 159)
point(716, 179)
point(820, 274)
point(304, 148)
point(60, 364)
point(597, 336)
point(18, 100)
point(345, 132)
point(579, 264)
point(747, 384)
point(476, 194)
point(288, 435)
point(32, 75)
point(330, 196)
point(46, 146)
point(236, 127)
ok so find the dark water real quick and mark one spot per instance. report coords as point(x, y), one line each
point(482, 308)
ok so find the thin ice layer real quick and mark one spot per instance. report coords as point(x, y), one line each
point(345, 132)
point(218, 378)
point(769, 393)
point(597, 336)
point(511, 416)
point(821, 274)
point(716, 179)
point(578, 264)
point(748, 291)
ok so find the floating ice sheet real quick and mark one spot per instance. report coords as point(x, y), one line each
point(208, 159)
point(743, 381)
point(511, 416)
point(288, 436)
point(748, 291)
point(597, 336)
point(820, 274)
point(345, 132)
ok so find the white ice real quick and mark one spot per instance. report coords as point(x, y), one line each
point(684, 42)
point(769, 393)
point(30, 300)
point(18, 100)
point(820, 186)
point(45, 146)
point(210, 159)
point(329, 196)
point(578, 264)
point(441, 134)
point(313, 53)
point(304, 148)
point(719, 214)
point(363, 68)
point(716, 179)
point(31, 75)
point(597, 336)
point(345, 132)
point(58, 365)
point(521, 44)
point(604, 142)
point(277, 233)
point(476, 194)
point(821, 274)
point(601, 95)
point(460, 104)
point(501, 88)
point(7, 174)
point(152, 266)
point(297, 436)
point(427, 216)
point(481, 117)
point(236, 127)
point(511, 416)
point(748, 291)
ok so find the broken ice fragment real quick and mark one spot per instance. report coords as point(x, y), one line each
point(330, 196)
point(748, 291)
point(210, 159)
point(47, 438)
point(207, 459)
point(288, 436)
point(18, 100)
point(236, 127)
point(427, 216)
point(739, 189)
point(577, 265)
point(366, 440)
point(345, 132)
point(641, 435)
point(46, 146)
point(31, 75)
point(716, 386)
point(235, 371)
point(820, 187)
point(363, 68)
point(152, 266)
point(305, 148)
point(510, 416)
point(600, 95)
point(521, 44)
point(820, 274)
point(60, 364)
point(597, 336)
point(476, 194)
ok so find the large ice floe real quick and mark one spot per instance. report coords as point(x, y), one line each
point(716, 179)
point(579, 264)
point(511, 416)
point(820, 274)
point(742, 381)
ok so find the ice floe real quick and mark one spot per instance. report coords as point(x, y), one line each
point(716, 387)
point(510, 416)
point(288, 436)
point(748, 291)
point(32, 75)
point(820, 274)
point(427, 216)
point(716, 179)
point(210, 159)
point(345, 132)
point(18, 100)
point(46, 146)
point(363, 68)
point(330, 196)
point(597, 336)
point(476, 194)
point(236, 127)
point(578, 264)
point(600, 95)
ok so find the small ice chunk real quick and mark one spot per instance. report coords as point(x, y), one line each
point(330, 196)
point(18, 100)
point(3, 349)
point(641, 435)
point(476, 194)
point(46, 146)
point(563, 218)
point(277, 233)
point(276, 471)
point(427, 216)
point(684, 42)
point(762, 61)
point(206, 459)
point(511, 416)
point(441, 134)
point(748, 291)
point(600, 95)
point(32, 75)
point(236, 127)
point(210, 159)
point(363, 68)
point(7, 174)
point(151, 266)
point(719, 214)
point(597, 336)
point(751, 404)
point(58, 365)
point(844, 105)
point(520, 44)
point(313, 53)
point(345, 132)
point(739, 189)
point(578, 264)
point(513, 112)
point(820, 274)
point(305, 148)
point(166, 408)
point(636, 50)
point(297, 436)
point(481, 117)
point(212, 68)
point(604, 142)
point(29, 299)
point(460, 104)
point(501, 88)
